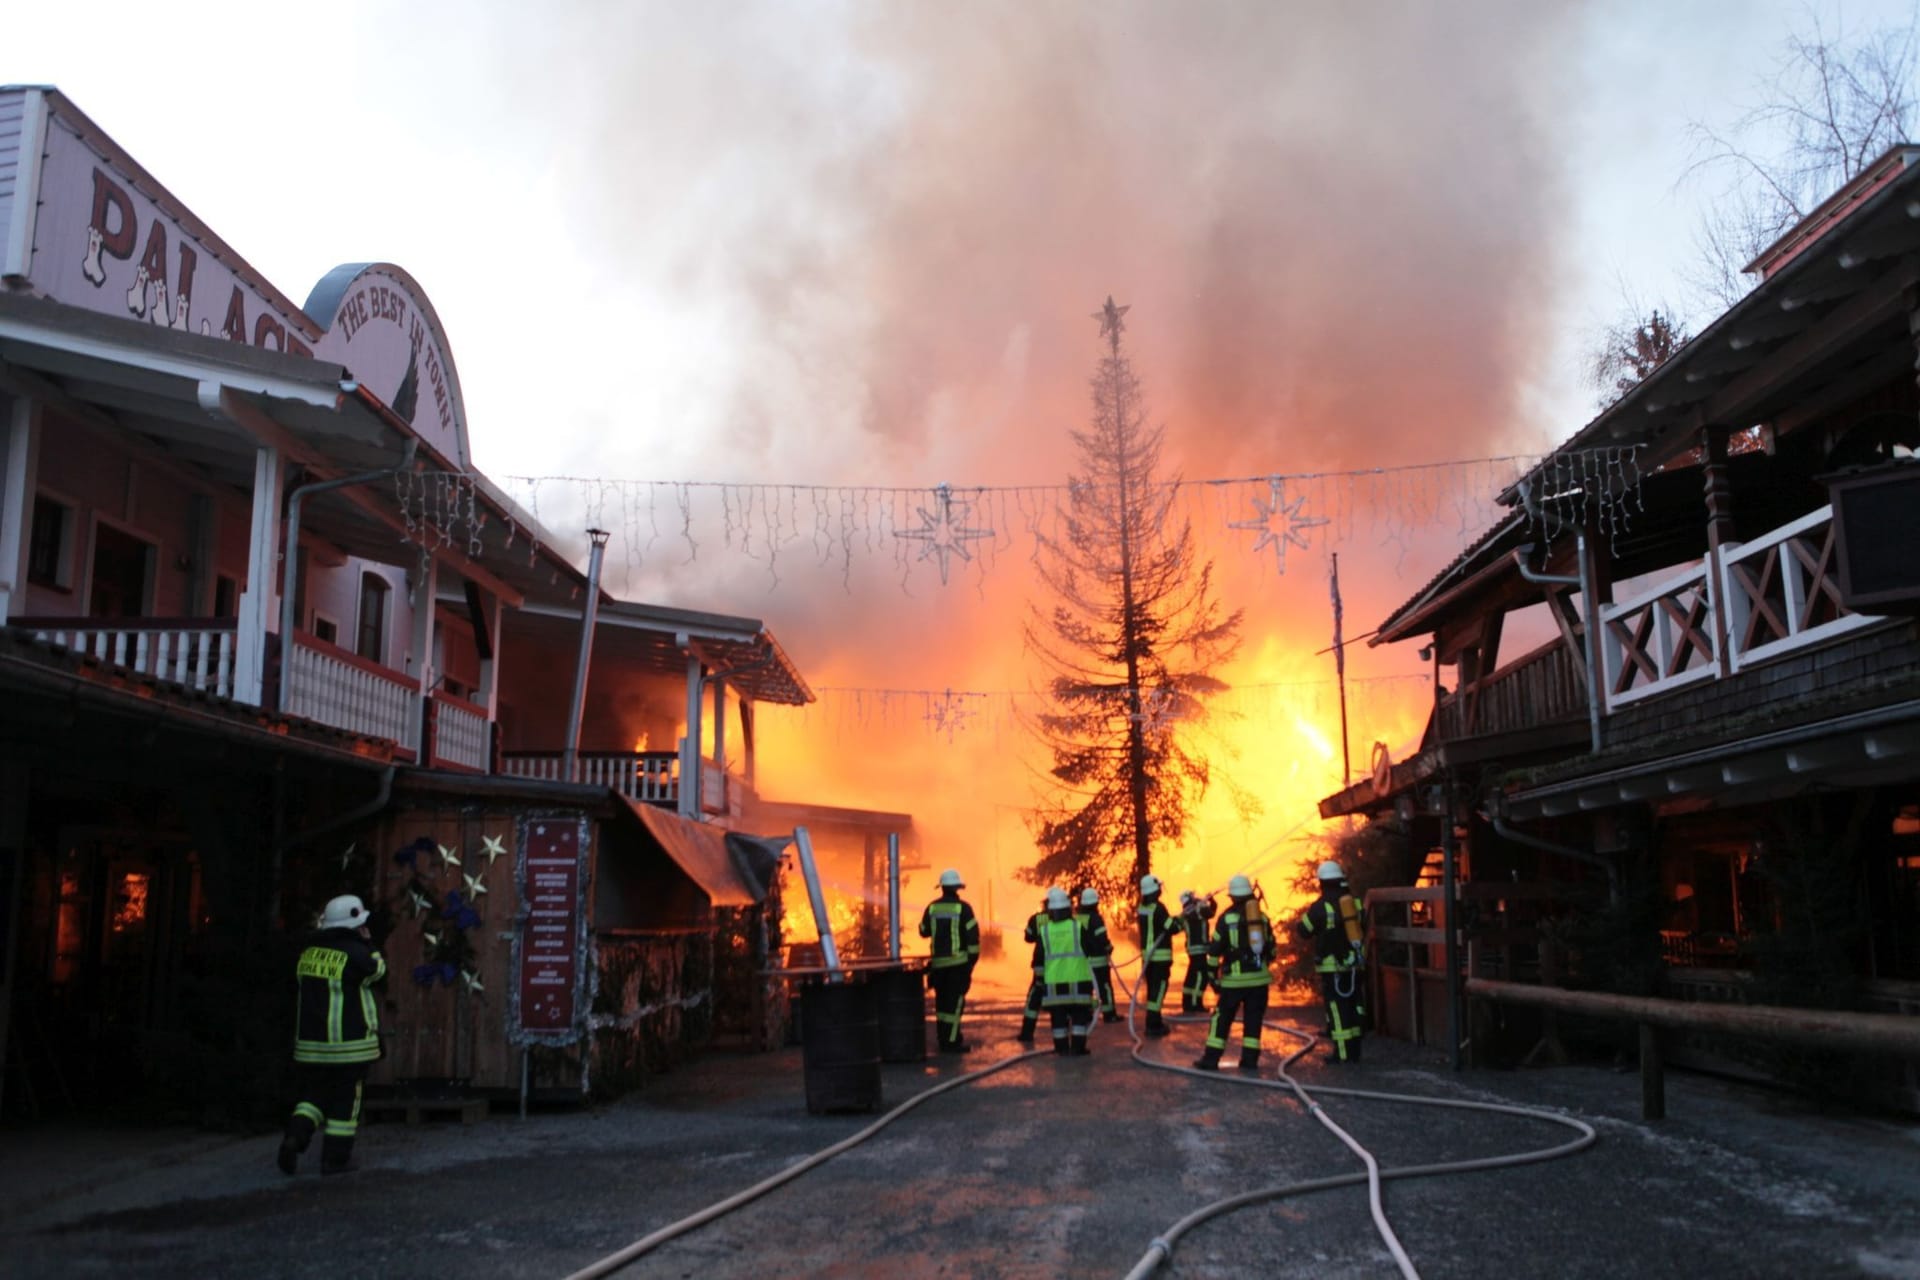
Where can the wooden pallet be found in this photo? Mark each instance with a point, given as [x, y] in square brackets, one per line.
[415, 1110]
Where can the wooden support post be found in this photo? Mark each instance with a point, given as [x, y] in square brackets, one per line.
[1653, 1077]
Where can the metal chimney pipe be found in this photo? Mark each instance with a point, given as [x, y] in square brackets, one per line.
[893, 895]
[571, 757]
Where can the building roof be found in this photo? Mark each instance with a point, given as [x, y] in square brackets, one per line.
[704, 853]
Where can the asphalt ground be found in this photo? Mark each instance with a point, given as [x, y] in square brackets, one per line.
[1050, 1167]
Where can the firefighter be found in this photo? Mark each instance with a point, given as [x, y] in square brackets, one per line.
[1243, 947]
[1068, 974]
[1332, 923]
[1030, 1015]
[949, 922]
[1156, 952]
[1195, 911]
[336, 1035]
[1100, 953]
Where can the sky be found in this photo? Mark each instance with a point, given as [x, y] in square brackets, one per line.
[859, 244]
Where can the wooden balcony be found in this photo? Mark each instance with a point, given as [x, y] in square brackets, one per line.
[343, 690]
[651, 777]
[1542, 687]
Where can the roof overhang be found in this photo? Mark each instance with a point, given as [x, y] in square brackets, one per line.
[718, 865]
[658, 639]
[1859, 749]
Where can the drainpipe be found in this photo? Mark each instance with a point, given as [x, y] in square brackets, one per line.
[1591, 608]
[571, 753]
[290, 558]
[335, 823]
[1501, 828]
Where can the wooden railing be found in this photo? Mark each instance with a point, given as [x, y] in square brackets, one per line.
[649, 776]
[460, 734]
[196, 653]
[1783, 591]
[342, 690]
[1661, 639]
[1543, 686]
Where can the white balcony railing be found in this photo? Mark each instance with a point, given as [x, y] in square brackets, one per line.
[198, 656]
[1661, 639]
[327, 684]
[649, 776]
[1783, 592]
[461, 734]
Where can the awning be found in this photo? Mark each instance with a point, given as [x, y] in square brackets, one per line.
[704, 853]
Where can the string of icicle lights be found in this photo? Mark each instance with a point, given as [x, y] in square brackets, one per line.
[1282, 705]
[970, 526]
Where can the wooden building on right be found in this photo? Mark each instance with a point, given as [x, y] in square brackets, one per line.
[1683, 669]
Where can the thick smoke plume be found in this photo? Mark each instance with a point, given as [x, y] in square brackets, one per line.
[1336, 227]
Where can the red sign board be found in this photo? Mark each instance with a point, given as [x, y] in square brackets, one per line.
[549, 958]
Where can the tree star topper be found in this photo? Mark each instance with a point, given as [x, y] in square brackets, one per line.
[1110, 324]
[1279, 522]
[943, 531]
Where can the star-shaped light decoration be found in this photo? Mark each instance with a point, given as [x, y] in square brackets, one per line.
[474, 887]
[1279, 522]
[1159, 708]
[944, 531]
[1110, 324]
[346, 855]
[948, 712]
[448, 858]
[472, 980]
[496, 847]
[433, 939]
[419, 904]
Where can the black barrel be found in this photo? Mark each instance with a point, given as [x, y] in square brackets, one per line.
[840, 1046]
[902, 994]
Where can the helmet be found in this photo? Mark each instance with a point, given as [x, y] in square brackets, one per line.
[950, 879]
[1057, 900]
[1331, 871]
[1239, 887]
[1149, 885]
[344, 912]
[1089, 897]
[1186, 897]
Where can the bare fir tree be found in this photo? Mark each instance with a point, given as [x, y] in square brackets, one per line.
[1131, 635]
[1833, 104]
[1631, 350]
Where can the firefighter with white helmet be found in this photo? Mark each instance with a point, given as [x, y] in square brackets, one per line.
[336, 1035]
[1156, 952]
[1195, 911]
[1243, 950]
[1067, 974]
[1332, 923]
[955, 933]
[1099, 952]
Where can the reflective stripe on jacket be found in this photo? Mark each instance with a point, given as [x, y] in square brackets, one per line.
[1325, 922]
[1068, 973]
[1244, 945]
[336, 1017]
[1156, 927]
[955, 932]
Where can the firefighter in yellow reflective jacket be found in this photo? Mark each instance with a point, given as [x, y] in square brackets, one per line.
[1156, 952]
[336, 1035]
[1067, 969]
[1195, 912]
[1030, 1015]
[1332, 923]
[1242, 948]
[1100, 952]
[950, 923]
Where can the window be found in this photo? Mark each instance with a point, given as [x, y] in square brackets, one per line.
[371, 640]
[50, 549]
[325, 628]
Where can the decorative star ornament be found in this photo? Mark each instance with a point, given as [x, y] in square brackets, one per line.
[1279, 522]
[347, 855]
[943, 531]
[474, 887]
[448, 858]
[496, 847]
[433, 939]
[419, 904]
[948, 712]
[1109, 317]
[472, 980]
[1158, 710]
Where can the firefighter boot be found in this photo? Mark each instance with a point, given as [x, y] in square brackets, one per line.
[1156, 1025]
[336, 1155]
[1250, 1062]
[293, 1144]
[1026, 1030]
[1208, 1061]
[1080, 1049]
